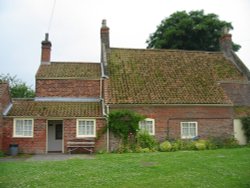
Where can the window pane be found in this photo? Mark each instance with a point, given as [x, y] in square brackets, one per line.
[86, 128]
[147, 126]
[188, 129]
[23, 127]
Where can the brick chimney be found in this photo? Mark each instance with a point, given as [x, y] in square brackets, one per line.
[226, 42]
[104, 32]
[46, 48]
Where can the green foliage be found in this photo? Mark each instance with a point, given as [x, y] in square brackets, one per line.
[165, 146]
[144, 140]
[246, 126]
[1, 154]
[145, 150]
[124, 124]
[189, 31]
[18, 89]
[200, 144]
[222, 142]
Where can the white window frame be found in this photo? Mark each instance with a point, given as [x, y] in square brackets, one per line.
[153, 125]
[85, 135]
[23, 136]
[189, 123]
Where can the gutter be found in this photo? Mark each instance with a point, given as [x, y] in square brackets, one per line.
[172, 105]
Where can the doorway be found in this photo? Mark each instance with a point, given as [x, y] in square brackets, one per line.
[55, 136]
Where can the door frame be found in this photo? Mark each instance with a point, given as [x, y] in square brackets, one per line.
[47, 133]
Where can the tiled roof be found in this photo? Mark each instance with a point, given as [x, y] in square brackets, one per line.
[241, 111]
[30, 108]
[62, 70]
[146, 76]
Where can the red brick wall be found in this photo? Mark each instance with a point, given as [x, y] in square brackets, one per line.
[239, 93]
[212, 121]
[4, 102]
[37, 144]
[70, 133]
[5, 98]
[1, 133]
[67, 88]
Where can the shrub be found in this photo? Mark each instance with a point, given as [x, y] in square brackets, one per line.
[211, 144]
[124, 124]
[144, 140]
[145, 150]
[230, 142]
[200, 145]
[246, 126]
[175, 146]
[165, 146]
[1, 153]
[222, 142]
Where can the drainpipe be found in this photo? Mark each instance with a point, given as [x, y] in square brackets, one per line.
[107, 130]
[105, 113]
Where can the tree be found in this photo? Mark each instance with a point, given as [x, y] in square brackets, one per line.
[18, 88]
[189, 31]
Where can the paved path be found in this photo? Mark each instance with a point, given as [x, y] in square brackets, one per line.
[49, 157]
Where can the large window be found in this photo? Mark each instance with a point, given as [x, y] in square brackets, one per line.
[23, 128]
[147, 125]
[86, 128]
[189, 129]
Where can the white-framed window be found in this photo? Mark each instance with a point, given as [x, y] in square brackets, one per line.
[189, 129]
[23, 127]
[147, 125]
[86, 128]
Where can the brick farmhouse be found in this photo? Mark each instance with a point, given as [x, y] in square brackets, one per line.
[183, 94]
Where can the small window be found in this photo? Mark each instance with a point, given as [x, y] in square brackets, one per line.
[86, 128]
[58, 132]
[147, 125]
[23, 128]
[189, 129]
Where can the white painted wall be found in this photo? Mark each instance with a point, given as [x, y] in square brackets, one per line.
[239, 132]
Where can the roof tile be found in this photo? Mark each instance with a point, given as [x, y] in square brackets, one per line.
[62, 70]
[30, 108]
[143, 76]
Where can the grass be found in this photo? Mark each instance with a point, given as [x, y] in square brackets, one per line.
[210, 168]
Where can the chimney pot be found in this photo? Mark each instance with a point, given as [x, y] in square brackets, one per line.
[104, 23]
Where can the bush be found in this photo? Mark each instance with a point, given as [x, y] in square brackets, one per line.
[246, 126]
[230, 142]
[144, 140]
[124, 148]
[165, 146]
[200, 145]
[145, 150]
[124, 124]
[222, 142]
[1, 154]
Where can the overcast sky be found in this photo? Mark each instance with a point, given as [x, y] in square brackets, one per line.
[75, 27]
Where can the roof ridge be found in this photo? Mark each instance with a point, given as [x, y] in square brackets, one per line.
[167, 50]
[73, 62]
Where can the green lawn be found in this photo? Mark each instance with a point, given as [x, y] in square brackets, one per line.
[211, 168]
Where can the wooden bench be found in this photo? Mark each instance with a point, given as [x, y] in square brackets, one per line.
[86, 145]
